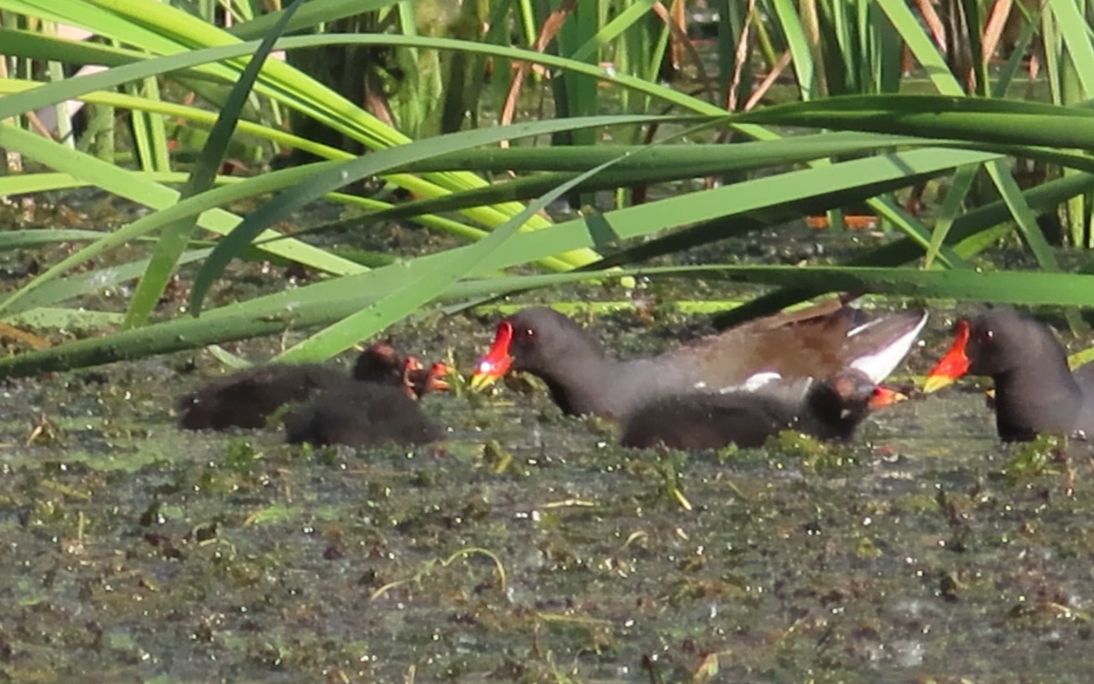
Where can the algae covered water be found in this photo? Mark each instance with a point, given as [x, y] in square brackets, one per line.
[528, 547]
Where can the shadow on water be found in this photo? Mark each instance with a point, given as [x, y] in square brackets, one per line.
[135, 550]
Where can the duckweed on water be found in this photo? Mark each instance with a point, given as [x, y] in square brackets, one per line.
[1041, 456]
[527, 547]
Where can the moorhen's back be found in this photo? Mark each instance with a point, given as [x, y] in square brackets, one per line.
[360, 414]
[246, 399]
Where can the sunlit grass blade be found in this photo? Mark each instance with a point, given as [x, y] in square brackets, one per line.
[192, 114]
[247, 319]
[326, 302]
[405, 300]
[289, 86]
[932, 61]
[66, 319]
[176, 235]
[804, 67]
[375, 163]
[977, 120]
[970, 234]
[775, 215]
[1075, 29]
[951, 207]
[21, 239]
[137, 188]
[310, 14]
[612, 228]
[735, 199]
[97, 281]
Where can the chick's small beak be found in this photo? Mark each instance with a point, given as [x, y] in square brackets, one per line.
[953, 364]
[412, 367]
[411, 363]
[883, 396]
[496, 362]
[437, 373]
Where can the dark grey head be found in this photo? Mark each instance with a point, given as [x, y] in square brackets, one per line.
[543, 339]
[380, 363]
[1003, 340]
[537, 340]
[841, 401]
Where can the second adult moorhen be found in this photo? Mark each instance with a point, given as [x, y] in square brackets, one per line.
[360, 414]
[816, 342]
[249, 397]
[828, 409]
[1035, 390]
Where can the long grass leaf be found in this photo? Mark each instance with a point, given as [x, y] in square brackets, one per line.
[377, 162]
[1075, 30]
[932, 61]
[971, 232]
[311, 14]
[239, 321]
[804, 66]
[176, 235]
[951, 207]
[403, 301]
[965, 118]
[138, 189]
[21, 239]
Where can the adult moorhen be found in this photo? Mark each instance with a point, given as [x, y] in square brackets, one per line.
[360, 414]
[817, 342]
[247, 399]
[1035, 391]
[829, 409]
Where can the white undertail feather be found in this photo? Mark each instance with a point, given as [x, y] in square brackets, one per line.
[865, 326]
[752, 383]
[880, 364]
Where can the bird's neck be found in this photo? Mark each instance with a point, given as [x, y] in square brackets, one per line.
[607, 387]
[1037, 397]
[824, 414]
[589, 386]
[1043, 373]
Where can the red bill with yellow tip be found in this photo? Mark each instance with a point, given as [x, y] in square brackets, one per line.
[496, 362]
[883, 396]
[954, 364]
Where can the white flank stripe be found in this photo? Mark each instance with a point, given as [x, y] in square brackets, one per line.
[879, 365]
[753, 383]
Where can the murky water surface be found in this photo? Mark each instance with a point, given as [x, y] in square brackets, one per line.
[135, 551]
[527, 547]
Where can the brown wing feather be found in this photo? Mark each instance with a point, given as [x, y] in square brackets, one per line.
[798, 343]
